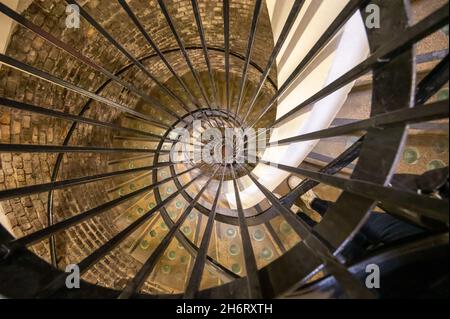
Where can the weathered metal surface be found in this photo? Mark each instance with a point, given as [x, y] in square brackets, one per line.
[394, 106]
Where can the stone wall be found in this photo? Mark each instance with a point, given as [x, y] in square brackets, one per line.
[29, 213]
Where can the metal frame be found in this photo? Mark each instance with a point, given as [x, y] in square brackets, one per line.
[321, 247]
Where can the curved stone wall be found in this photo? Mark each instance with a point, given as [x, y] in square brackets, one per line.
[29, 213]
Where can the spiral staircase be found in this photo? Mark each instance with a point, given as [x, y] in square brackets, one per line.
[88, 115]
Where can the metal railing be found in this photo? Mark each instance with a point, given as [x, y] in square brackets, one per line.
[320, 246]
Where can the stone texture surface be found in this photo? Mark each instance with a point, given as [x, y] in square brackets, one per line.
[29, 213]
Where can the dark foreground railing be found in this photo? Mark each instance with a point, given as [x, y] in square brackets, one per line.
[396, 102]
